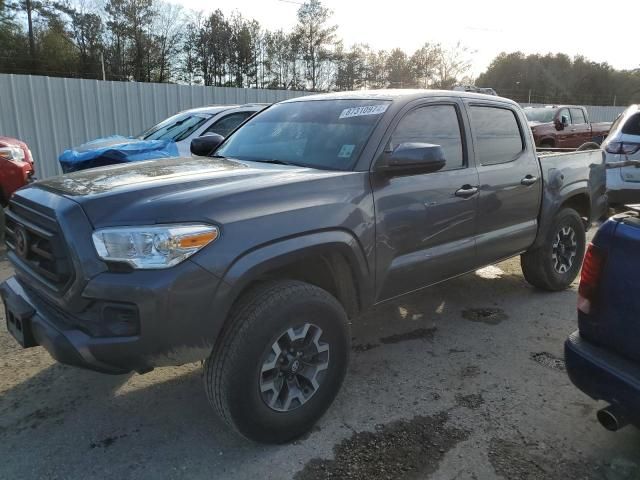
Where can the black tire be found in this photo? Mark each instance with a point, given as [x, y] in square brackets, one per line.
[588, 146]
[539, 266]
[257, 322]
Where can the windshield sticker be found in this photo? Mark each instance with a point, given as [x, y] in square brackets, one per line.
[367, 110]
[346, 151]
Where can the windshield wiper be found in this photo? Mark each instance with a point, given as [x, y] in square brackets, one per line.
[276, 162]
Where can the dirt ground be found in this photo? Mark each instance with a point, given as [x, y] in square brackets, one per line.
[462, 381]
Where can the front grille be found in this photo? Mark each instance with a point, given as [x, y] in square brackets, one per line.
[38, 246]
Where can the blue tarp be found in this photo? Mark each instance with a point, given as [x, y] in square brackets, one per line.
[115, 149]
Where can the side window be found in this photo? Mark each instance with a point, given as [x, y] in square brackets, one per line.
[577, 115]
[227, 124]
[497, 135]
[564, 113]
[435, 124]
[632, 125]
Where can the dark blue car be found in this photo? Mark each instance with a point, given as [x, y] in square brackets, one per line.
[603, 356]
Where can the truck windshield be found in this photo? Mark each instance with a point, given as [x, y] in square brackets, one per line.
[542, 115]
[175, 128]
[324, 134]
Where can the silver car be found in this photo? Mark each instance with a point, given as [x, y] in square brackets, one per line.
[623, 143]
[189, 124]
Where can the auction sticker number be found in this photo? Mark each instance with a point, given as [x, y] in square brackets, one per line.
[366, 110]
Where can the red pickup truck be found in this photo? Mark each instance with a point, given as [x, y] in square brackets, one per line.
[564, 127]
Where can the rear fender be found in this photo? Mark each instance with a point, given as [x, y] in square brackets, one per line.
[555, 197]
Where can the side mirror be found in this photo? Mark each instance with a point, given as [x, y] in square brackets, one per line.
[562, 122]
[414, 158]
[205, 145]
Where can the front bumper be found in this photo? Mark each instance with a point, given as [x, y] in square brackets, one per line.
[604, 375]
[176, 323]
[31, 328]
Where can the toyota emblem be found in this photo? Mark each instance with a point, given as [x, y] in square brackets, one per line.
[21, 241]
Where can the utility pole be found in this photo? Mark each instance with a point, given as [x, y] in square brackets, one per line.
[529, 97]
[615, 97]
[102, 62]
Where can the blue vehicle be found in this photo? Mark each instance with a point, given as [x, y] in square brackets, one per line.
[603, 356]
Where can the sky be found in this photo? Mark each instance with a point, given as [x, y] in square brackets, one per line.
[487, 27]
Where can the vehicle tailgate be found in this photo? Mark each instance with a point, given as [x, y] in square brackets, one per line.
[617, 319]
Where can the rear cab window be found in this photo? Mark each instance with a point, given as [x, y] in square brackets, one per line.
[497, 134]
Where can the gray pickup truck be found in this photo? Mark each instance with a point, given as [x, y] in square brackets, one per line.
[256, 257]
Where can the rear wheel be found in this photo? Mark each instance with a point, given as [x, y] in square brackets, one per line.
[555, 264]
[281, 362]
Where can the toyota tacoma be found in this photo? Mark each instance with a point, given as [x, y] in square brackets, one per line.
[255, 257]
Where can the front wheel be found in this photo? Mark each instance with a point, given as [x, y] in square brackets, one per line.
[281, 362]
[555, 264]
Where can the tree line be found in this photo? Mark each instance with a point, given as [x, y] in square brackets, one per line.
[560, 79]
[156, 41]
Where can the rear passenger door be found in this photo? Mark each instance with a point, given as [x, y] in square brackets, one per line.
[510, 183]
[425, 223]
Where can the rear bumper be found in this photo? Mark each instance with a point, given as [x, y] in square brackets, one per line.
[623, 197]
[604, 375]
[619, 191]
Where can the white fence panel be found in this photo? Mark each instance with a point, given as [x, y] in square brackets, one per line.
[53, 114]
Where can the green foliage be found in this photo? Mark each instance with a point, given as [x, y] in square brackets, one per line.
[560, 79]
[154, 41]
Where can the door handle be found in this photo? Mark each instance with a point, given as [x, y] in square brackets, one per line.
[529, 180]
[466, 191]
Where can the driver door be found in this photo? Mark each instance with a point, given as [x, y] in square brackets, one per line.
[426, 222]
[564, 136]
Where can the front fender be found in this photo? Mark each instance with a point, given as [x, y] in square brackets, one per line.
[254, 263]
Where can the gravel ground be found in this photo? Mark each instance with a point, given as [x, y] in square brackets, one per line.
[462, 381]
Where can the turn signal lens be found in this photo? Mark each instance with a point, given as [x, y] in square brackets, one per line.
[198, 240]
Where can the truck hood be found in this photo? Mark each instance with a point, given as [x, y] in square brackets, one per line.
[173, 189]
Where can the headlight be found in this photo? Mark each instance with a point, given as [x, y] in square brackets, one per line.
[157, 246]
[13, 154]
